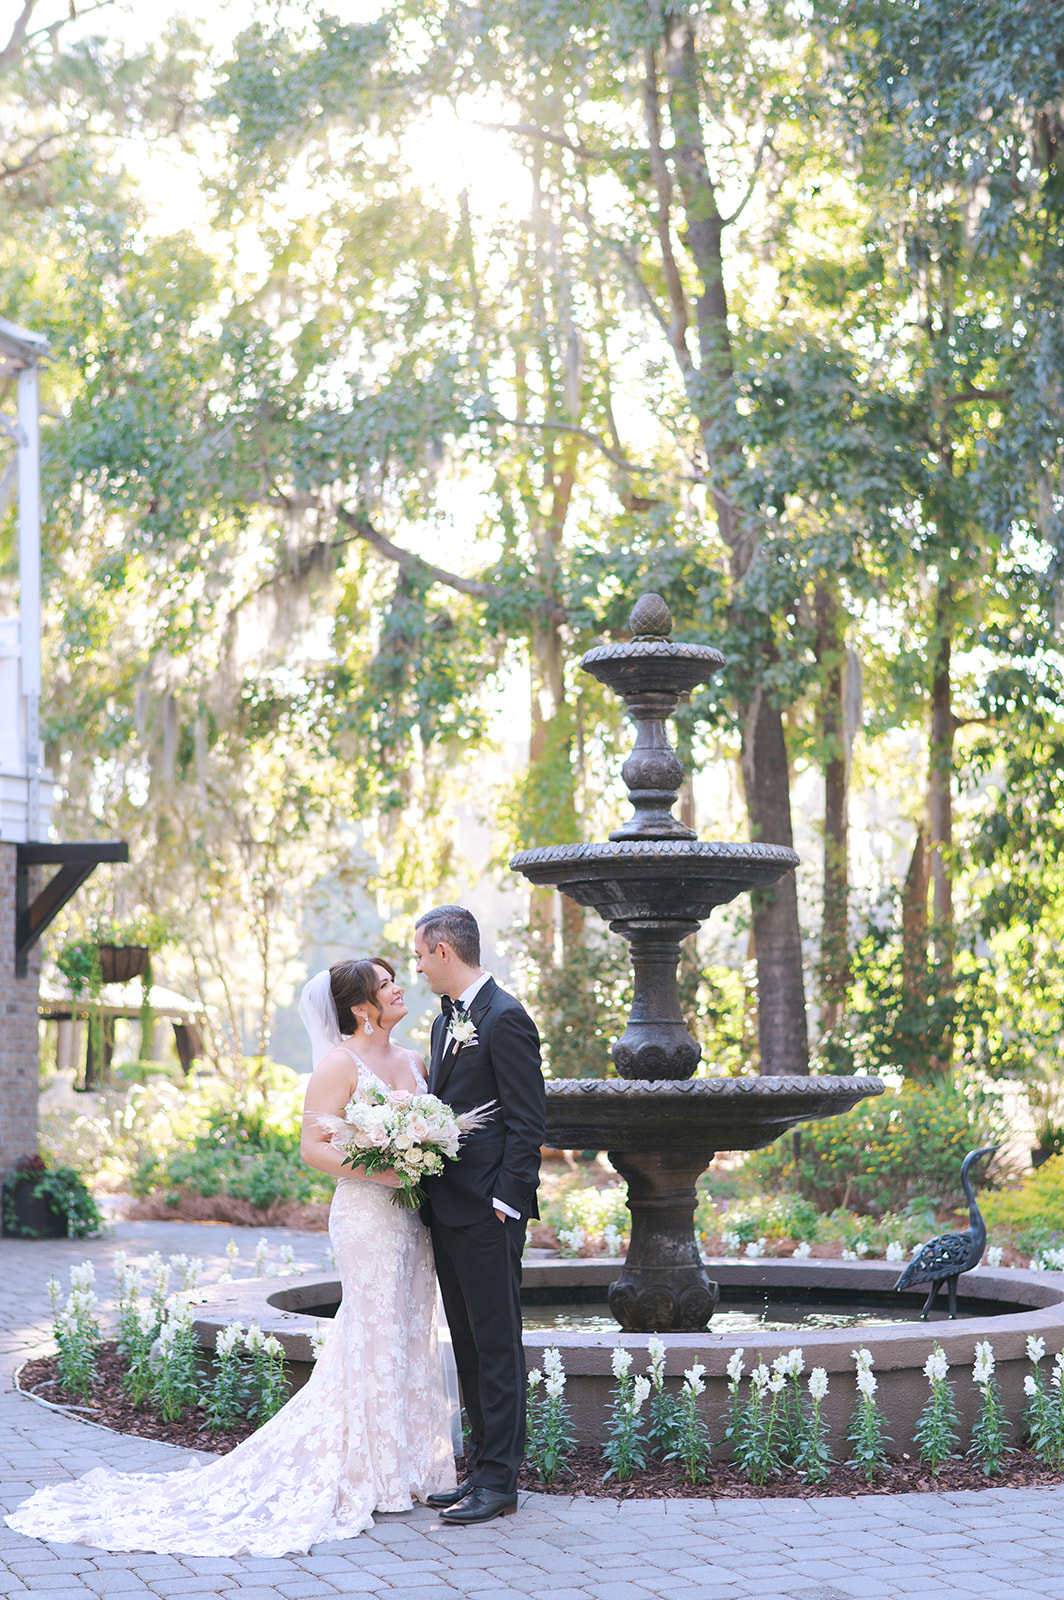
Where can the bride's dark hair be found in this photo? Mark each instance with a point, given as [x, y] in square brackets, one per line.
[355, 983]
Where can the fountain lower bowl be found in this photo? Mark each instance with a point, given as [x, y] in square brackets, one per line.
[694, 1114]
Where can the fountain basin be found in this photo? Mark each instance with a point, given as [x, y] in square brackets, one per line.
[899, 1350]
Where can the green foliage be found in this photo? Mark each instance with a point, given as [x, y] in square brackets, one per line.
[904, 1146]
[1032, 1210]
[551, 1439]
[625, 1446]
[79, 962]
[692, 1443]
[937, 1429]
[991, 1428]
[76, 1330]
[68, 1196]
[581, 1005]
[264, 1178]
[771, 1217]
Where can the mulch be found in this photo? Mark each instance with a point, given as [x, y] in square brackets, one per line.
[657, 1481]
[310, 1216]
[663, 1480]
[112, 1407]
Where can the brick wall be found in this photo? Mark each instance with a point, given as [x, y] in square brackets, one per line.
[18, 1031]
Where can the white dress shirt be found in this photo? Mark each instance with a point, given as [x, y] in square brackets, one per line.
[465, 1000]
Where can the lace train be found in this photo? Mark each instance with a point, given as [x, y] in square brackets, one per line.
[369, 1431]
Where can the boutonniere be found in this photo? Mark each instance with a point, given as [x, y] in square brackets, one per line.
[463, 1031]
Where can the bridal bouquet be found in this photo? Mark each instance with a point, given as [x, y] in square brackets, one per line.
[411, 1133]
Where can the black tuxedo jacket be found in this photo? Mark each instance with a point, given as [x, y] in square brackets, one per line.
[501, 1161]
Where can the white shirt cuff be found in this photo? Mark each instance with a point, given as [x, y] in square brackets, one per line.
[509, 1210]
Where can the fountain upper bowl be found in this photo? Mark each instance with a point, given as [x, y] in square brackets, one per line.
[655, 880]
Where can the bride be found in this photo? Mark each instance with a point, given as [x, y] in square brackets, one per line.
[371, 1430]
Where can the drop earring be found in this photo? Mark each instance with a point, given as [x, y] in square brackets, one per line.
[368, 1026]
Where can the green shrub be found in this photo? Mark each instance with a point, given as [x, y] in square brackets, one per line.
[906, 1145]
[271, 1178]
[770, 1217]
[203, 1169]
[1033, 1211]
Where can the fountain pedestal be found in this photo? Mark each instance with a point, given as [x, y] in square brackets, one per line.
[663, 1283]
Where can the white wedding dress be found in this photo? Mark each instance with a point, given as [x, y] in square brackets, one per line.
[370, 1431]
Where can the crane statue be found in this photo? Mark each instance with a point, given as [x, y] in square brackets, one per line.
[943, 1260]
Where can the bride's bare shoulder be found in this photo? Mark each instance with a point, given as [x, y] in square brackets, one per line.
[333, 1081]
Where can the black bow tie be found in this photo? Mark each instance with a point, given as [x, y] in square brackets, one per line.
[450, 1007]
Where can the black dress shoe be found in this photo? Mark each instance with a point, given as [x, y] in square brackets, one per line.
[450, 1497]
[480, 1505]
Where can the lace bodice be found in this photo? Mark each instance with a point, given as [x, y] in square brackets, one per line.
[420, 1081]
[371, 1431]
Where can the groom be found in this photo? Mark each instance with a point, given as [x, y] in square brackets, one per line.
[484, 1048]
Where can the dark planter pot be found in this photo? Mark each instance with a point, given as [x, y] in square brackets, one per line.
[120, 962]
[34, 1216]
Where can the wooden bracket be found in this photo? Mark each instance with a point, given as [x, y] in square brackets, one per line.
[75, 863]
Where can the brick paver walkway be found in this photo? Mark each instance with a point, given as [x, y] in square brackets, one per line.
[1000, 1542]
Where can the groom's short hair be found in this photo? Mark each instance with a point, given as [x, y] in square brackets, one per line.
[455, 926]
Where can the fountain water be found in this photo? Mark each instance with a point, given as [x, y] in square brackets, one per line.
[654, 882]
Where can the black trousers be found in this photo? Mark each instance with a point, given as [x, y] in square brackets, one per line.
[479, 1268]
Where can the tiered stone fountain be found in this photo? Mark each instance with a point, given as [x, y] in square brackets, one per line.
[655, 882]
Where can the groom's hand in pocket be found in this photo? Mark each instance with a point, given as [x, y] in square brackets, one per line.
[500, 1214]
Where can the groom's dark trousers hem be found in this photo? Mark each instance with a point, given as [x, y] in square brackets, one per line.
[479, 1271]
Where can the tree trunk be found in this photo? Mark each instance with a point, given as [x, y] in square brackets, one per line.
[710, 391]
[939, 782]
[914, 923]
[834, 972]
[782, 1033]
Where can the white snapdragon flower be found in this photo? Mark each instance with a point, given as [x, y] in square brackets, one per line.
[555, 1386]
[552, 1362]
[1030, 1388]
[273, 1346]
[318, 1336]
[936, 1366]
[895, 1250]
[613, 1239]
[735, 1367]
[1036, 1348]
[621, 1361]
[535, 1378]
[776, 1382]
[229, 1338]
[993, 1255]
[760, 1375]
[254, 1338]
[262, 1250]
[731, 1243]
[656, 1352]
[82, 1276]
[983, 1367]
[803, 1251]
[755, 1249]
[866, 1382]
[861, 1249]
[693, 1377]
[818, 1383]
[232, 1251]
[863, 1357]
[640, 1392]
